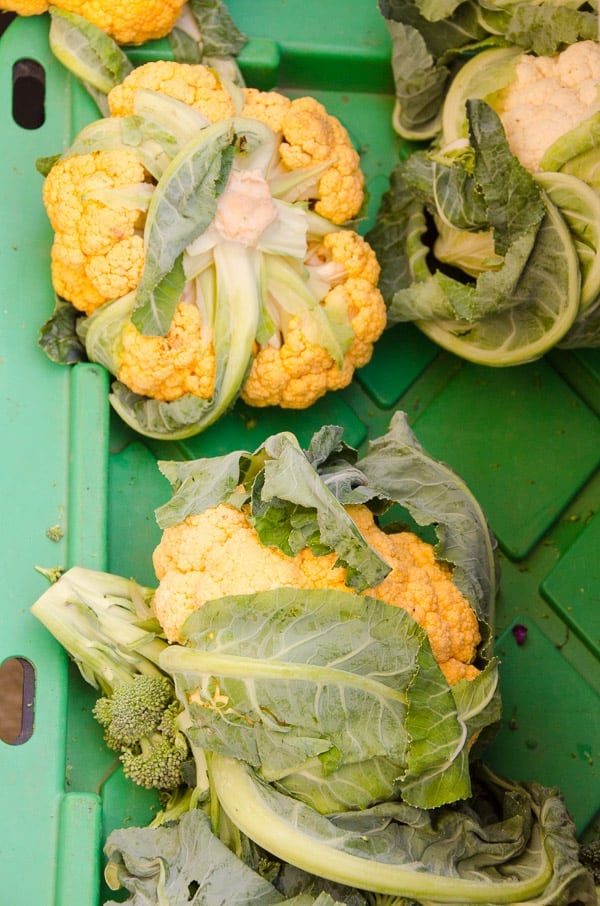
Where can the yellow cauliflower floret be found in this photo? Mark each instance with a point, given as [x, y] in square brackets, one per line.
[193, 565]
[269, 107]
[297, 372]
[166, 368]
[367, 314]
[193, 84]
[69, 276]
[310, 136]
[25, 7]
[97, 252]
[293, 376]
[354, 253]
[133, 22]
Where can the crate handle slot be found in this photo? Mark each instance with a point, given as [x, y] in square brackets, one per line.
[29, 93]
[17, 695]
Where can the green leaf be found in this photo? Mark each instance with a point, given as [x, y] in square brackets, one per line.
[183, 205]
[183, 47]
[58, 335]
[289, 477]
[220, 35]
[165, 864]
[281, 678]
[101, 331]
[420, 83]
[549, 28]
[534, 321]
[235, 309]
[512, 196]
[398, 237]
[509, 843]
[87, 51]
[423, 53]
[199, 484]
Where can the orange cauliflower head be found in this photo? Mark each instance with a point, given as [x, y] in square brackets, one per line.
[193, 563]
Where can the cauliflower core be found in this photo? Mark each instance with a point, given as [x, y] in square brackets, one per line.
[193, 564]
[548, 97]
[246, 208]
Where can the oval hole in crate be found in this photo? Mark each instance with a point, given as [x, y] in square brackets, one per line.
[29, 94]
[17, 688]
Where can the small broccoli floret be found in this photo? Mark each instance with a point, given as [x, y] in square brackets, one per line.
[156, 762]
[140, 722]
[107, 625]
[134, 710]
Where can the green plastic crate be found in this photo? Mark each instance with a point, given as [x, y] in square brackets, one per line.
[80, 488]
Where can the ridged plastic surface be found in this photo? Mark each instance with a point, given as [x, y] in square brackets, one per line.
[79, 488]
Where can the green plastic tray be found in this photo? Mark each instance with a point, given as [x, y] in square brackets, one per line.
[78, 488]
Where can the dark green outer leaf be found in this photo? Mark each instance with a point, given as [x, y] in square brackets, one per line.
[198, 485]
[289, 476]
[319, 672]
[546, 30]
[509, 843]
[397, 237]
[512, 196]
[183, 47]
[58, 335]
[397, 468]
[167, 864]
[585, 330]
[455, 32]
[420, 83]
[220, 35]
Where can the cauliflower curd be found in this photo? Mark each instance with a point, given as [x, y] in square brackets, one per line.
[548, 97]
[194, 560]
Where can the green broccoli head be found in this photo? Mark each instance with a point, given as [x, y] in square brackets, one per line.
[140, 722]
[134, 710]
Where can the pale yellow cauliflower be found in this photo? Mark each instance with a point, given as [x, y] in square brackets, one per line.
[98, 249]
[218, 553]
[133, 22]
[548, 97]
